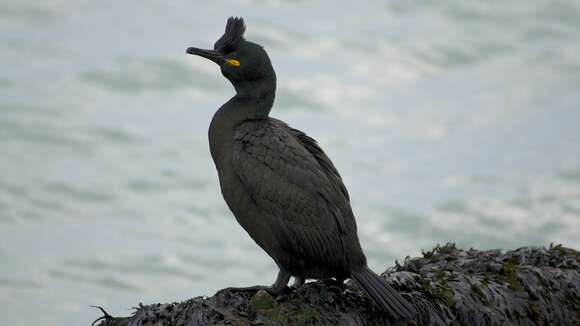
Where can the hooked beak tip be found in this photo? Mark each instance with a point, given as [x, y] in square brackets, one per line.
[208, 54]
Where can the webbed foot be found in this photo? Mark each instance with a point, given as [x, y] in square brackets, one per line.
[279, 287]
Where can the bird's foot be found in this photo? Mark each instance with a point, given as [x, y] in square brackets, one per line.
[254, 288]
[279, 287]
[272, 290]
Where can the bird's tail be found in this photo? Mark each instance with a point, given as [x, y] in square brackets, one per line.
[383, 295]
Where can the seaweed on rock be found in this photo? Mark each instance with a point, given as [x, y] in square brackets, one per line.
[526, 286]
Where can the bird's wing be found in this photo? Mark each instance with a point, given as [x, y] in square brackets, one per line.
[293, 182]
[325, 164]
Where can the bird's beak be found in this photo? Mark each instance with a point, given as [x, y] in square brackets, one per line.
[208, 54]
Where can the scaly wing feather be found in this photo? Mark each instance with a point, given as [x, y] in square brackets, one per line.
[293, 182]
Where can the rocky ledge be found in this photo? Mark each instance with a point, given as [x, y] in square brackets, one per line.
[449, 286]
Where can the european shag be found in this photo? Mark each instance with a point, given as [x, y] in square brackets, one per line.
[280, 185]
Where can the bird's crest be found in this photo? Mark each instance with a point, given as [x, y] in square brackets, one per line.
[233, 35]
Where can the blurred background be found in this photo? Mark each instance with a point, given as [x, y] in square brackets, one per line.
[449, 121]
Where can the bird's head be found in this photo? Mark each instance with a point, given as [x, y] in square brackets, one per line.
[241, 61]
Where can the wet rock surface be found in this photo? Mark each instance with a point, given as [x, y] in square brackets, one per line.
[449, 286]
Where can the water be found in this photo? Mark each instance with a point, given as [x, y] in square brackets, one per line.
[448, 121]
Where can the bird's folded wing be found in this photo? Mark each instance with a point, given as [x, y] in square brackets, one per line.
[305, 201]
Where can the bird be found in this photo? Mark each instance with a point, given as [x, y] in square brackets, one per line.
[280, 185]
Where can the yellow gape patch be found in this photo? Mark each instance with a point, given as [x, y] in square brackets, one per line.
[233, 62]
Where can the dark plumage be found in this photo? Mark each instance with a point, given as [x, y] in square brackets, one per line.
[233, 35]
[280, 185]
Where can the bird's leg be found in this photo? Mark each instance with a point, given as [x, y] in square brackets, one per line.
[274, 290]
[298, 281]
[281, 283]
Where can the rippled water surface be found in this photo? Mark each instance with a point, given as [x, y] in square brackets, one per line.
[449, 121]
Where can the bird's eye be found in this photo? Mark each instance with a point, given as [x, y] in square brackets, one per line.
[233, 62]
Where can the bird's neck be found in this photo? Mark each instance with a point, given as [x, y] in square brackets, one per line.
[255, 97]
[253, 101]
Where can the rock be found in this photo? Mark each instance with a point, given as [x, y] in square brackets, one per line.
[526, 286]
[262, 300]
